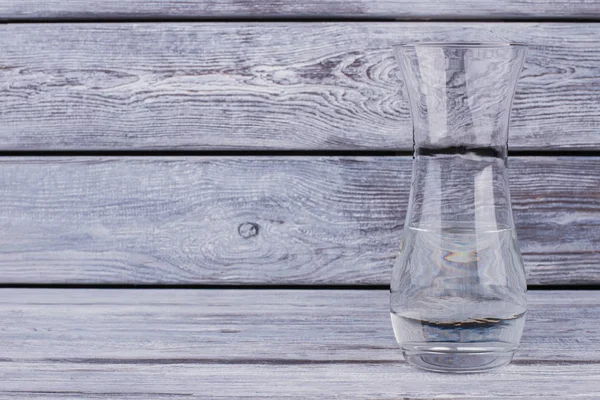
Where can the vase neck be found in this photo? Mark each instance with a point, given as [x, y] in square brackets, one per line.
[460, 96]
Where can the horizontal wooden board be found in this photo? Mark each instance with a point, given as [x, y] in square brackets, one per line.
[262, 220]
[268, 85]
[398, 9]
[271, 344]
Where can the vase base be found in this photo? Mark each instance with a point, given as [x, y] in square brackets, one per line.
[458, 357]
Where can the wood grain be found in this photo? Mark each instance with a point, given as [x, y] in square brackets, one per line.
[262, 220]
[399, 9]
[287, 344]
[285, 86]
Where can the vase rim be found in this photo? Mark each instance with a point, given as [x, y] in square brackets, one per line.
[463, 44]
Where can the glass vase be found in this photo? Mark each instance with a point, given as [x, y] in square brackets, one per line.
[458, 291]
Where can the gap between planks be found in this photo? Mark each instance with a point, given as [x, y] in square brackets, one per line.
[270, 153]
[107, 19]
[250, 286]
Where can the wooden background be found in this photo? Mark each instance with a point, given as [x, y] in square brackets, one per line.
[231, 143]
[172, 171]
[263, 152]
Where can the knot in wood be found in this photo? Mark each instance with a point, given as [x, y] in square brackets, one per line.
[248, 230]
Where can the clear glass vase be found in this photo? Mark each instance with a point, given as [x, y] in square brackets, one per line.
[458, 291]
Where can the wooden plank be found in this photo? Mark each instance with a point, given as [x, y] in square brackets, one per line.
[290, 344]
[267, 86]
[400, 9]
[262, 220]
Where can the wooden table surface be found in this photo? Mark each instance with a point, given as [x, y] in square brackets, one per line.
[276, 344]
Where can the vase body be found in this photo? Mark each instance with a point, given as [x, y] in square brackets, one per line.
[458, 290]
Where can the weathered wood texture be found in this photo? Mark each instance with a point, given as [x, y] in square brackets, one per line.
[267, 86]
[209, 344]
[267, 220]
[426, 9]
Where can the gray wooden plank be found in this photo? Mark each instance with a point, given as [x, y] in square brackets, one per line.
[399, 9]
[262, 220]
[267, 86]
[165, 344]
